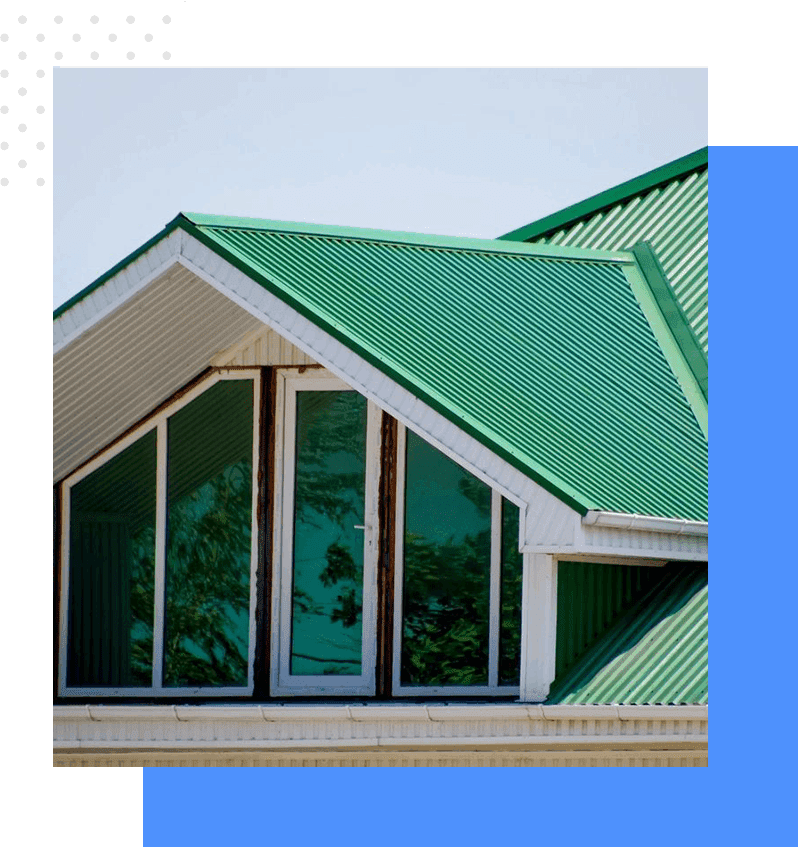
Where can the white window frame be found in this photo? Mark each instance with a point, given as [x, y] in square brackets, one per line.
[493, 687]
[158, 422]
[288, 383]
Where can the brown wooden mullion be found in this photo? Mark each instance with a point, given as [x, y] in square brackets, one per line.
[265, 523]
[385, 568]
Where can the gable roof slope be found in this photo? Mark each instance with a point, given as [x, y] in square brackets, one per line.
[543, 354]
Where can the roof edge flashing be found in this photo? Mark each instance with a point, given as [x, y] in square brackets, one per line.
[672, 312]
[686, 359]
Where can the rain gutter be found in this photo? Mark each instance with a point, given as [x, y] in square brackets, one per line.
[650, 523]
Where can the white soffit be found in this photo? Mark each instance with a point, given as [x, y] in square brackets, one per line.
[134, 358]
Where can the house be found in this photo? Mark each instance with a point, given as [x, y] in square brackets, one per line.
[332, 496]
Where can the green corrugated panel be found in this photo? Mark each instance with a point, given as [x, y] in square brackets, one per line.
[547, 360]
[673, 219]
[590, 598]
[669, 209]
[654, 654]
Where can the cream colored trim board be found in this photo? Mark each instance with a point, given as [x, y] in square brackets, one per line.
[376, 712]
[375, 743]
[380, 734]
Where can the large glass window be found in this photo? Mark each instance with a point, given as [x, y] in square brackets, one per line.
[512, 573]
[446, 587]
[159, 557]
[458, 579]
[112, 571]
[160, 551]
[329, 497]
[209, 538]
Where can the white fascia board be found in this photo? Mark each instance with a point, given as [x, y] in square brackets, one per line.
[619, 554]
[628, 539]
[369, 711]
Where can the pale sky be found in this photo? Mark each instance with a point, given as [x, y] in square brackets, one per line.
[451, 152]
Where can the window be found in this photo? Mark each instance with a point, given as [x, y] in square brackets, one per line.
[457, 589]
[159, 553]
[458, 580]
[161, 544]
[325, 540]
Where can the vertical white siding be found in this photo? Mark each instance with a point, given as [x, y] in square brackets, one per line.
[263, 347]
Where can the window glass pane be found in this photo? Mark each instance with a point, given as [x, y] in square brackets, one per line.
[446, 572]
[112, 571]
[511, 584]
[209, 529]
[329, 497]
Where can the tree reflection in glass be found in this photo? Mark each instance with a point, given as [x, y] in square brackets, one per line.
[209, 530]
[112, 571]
[446, 593]
[329, 495]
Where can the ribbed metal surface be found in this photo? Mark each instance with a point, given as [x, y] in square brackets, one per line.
[590, 598]
[673, 218]
[655, 654]
[548, 360]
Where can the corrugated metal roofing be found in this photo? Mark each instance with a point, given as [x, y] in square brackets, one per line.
[590, 598]
[668, 208]
[546, 359]
[655, 654]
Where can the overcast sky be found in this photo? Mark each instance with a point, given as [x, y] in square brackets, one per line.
[453, 152]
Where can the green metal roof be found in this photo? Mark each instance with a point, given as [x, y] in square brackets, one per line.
[591, 597]
[667, 207]
[546, 358]
[657, 653]
[543, 354]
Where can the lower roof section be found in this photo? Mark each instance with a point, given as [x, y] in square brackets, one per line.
[655, 653]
